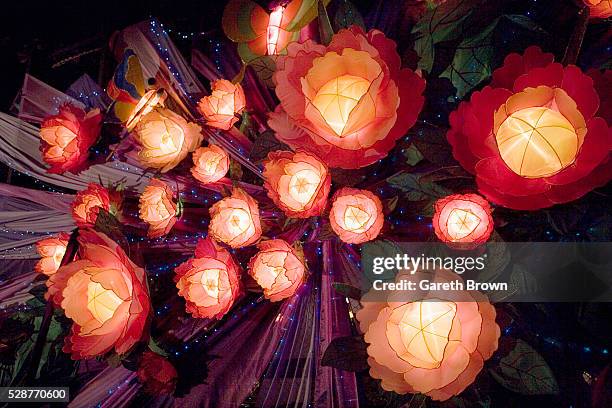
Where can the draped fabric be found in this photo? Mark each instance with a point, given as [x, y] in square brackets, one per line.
[89, 93]
[39, 100]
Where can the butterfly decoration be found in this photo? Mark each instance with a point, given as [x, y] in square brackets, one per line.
[128, 89]
[261, 35]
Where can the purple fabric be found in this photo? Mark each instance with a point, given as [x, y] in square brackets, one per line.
[243, 355]
[112, 388]
[333, 387]
[88, 92]
[54, 201]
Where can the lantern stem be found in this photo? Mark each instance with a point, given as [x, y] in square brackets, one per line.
[575, 41]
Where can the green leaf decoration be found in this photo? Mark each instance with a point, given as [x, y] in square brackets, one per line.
[265, 143]
[416, 401]
[526, 23]
[109, 225]
[524, 371]
[346, 353]
[347, 15]
[472, 62]
[498, 258]
[235, 170]
[264, 67]
[154, 347]
[347, 290]
[413, 155]
[375, 249]
[415, 187]
[440, 24]
[430, 140]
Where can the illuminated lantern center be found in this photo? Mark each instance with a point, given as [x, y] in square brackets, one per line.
[337, 98]
[419, 331]
[273, 30]
[101, 302]
[272, 269]
[355, 219]
[461, 223]
[303, 185]
[537, 142]
[211, 164]
[238, 221]
[59, 255]
[210, 282]
[222, 104]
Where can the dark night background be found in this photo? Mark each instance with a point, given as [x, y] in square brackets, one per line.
[575, 339]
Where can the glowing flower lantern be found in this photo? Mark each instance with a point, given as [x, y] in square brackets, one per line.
[87, 204]
[356, 216]
[67, 137]
[532, 138]
[350, 102]
[297, 182]
[165, 139]
[428, 343]
[222, 107]
[157, 208]
[599, 8]
[209, 282]
[157, 374]
[105, 295]
[210, 164]
[278, 269]
[51, 251]
[234, 220]
[463, 220]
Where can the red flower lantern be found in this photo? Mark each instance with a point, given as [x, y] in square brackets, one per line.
[278, 269]
[531, 137]
[463, 220]
[356, 216]
[67, 137]
[51, 251]
[105, 294]
[209, 282]
[157, 374]
[87, 204]
[221, 107]
[348, 102]
[297, 182]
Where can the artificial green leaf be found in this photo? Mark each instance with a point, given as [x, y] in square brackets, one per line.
[235, 170]
[415, 188]
[431, 142]
[524, 371]
[472, 61]
[347, 15]
[413, 155]
[497, 259]
[154, 347]
[265, 143]
[346, 353]
[525, 22]
[347, 290]
[416, 401]
[376, 249]
[443, 23]
[264, 67]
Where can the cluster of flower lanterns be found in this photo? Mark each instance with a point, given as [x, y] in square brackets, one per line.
[531, 138]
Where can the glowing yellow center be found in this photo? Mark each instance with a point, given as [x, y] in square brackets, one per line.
[273, 30]
[101, 303]
[303, 185]
[222, 103]
[337, 98]
[59, 255]
[238, 221]
[424, 329]
[210, 282]
[211, 164]
[355, 219]
[537, 142]
[461, 223]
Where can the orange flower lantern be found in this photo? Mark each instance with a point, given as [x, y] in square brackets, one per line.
[532, 138]
[105, 295]
[278, 269]
[149, 101]
[356, 216]
[234, 220]
[209, 282]
[221, 107]
[157, 208]
[67, 137]
[88, 202]
[426, 343]
[51, 251]
[348, 102]
[463, 220]
[210, 164]
[298, 183]
[165, 139]
[599, 8]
